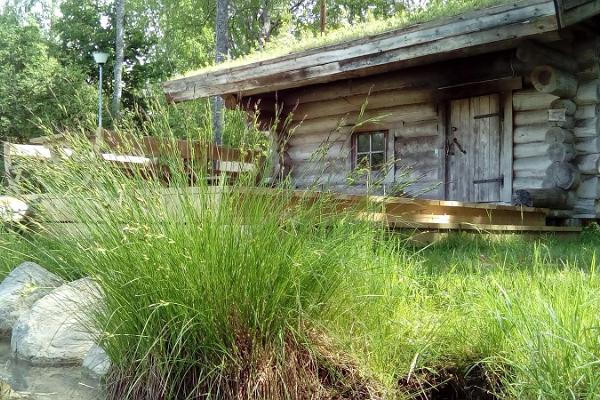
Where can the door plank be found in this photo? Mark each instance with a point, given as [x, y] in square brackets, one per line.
[475, 124]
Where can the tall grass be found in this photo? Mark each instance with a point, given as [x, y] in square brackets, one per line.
[231, 291]
[210, 291]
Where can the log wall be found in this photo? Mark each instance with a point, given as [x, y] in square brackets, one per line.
[587, 129]
[557, 126]
[320, 144]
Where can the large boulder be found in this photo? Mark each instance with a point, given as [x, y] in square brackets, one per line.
[58, 329]
[97, 361]
[12, 210]
[25, 285]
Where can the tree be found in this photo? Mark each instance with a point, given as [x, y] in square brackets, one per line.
[36, 91]
[87, 25]
[119, 55]
[221, 40]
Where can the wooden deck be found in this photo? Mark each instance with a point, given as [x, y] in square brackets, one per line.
[397, 213]
[420, 214]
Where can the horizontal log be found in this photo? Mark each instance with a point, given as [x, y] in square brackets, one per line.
[589, 164]
[317, 138]
[352, 104]
[546, 198]
[540, 117]
[585, 111]
[589, 127]
[529, 134]
[587, 206]
[568, 105]
[558, 135]
[527, 183]
[535, 117]
[589, 188]
[377, 119]
[530, 173]
[406, 147]
[589, 145]
[534, 149]
[417, 129]
[534, 54]
[561, 152]
[531, 99]
[532, 163]
[589, 72]
[588, 92]
[552, 80]
[320, 152]
[325, 180]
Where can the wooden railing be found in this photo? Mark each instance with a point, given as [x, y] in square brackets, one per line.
[148, 153]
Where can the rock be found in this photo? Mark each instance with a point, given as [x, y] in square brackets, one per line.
[97, 361]
[12, 210]
[25, 285]
[58, 330]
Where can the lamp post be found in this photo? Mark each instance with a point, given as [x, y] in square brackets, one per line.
[100, 58]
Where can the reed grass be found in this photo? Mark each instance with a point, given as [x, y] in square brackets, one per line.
[227, 292]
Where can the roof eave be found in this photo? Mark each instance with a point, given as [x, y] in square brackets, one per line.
[472, 33]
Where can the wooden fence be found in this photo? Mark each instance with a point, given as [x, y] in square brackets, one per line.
[147, 153]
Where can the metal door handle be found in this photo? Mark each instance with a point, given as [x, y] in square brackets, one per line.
[455, 141]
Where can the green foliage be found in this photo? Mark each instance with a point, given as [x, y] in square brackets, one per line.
[87, 25]
[306, 37]
[35, 90]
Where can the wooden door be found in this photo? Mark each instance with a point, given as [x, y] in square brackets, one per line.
[473, 171]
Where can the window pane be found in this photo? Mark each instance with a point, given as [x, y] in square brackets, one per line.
[377, 160]
[362, 161]
[378, 142]
[363, 143]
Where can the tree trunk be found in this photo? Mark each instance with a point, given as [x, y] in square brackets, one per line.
[323, 15]
[119, 57]
[265, 20]
[221, 29]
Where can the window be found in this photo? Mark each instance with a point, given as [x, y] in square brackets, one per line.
[369, 150]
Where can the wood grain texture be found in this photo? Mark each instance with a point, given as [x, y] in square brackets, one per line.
[475, 154]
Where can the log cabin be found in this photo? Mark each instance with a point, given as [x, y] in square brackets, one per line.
[499, 105]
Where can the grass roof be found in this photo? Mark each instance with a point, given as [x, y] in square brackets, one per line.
[288, 43]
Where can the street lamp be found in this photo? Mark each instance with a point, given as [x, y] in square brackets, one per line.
[100, 58]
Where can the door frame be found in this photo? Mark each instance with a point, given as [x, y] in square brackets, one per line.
[506, 140]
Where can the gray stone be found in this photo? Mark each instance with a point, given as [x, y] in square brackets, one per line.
[25, 285]
[58, 329]
[97, 361]
[12, 210]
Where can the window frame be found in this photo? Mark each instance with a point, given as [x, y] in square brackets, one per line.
[356, 153]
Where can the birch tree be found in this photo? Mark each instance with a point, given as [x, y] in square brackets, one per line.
[221, 45]
[119, 57]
